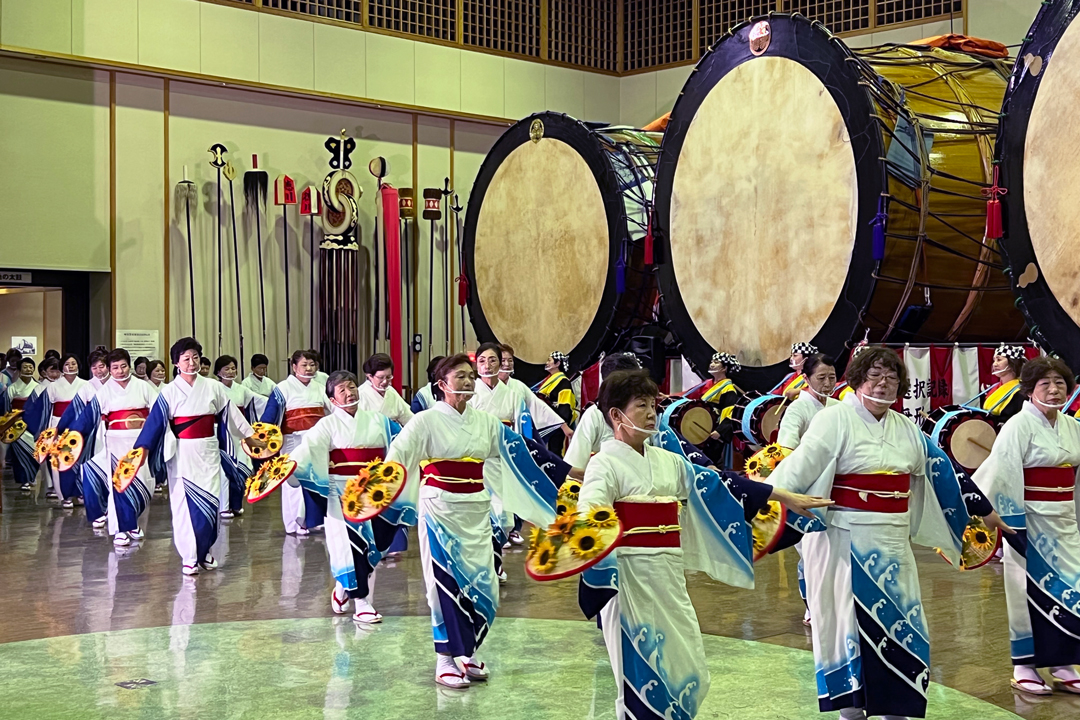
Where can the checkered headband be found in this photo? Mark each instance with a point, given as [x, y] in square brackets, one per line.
[727, 360]
[803, 348]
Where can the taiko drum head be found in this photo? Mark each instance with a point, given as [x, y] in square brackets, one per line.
[1037, 147]
[540, 242]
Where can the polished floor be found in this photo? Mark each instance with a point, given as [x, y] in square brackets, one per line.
[92, 631]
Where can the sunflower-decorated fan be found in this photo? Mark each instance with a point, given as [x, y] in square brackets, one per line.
[372, 490]
[768, 524]
[12, 426]
[46, 443]
[575, 541]
[68, 449]
[568, 496]
[268, 478]
[127, 468]
[980, 544]
[269, 435]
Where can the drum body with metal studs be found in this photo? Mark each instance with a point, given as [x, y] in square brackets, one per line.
[806, 191]
[1037, 147]
[965, 434]
[757, 417]
[695, 421]
[554, 239]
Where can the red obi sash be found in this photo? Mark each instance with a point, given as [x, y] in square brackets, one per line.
[1049, 484]
[58, 408]
[301, 419]
[127, 419]
[196, 427]
[18, 403]
[651, 525]
[456, 476]
[347, 461]
[876, 493]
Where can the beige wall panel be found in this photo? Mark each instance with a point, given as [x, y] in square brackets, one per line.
[229, 42]
[1006, 21]
[669, 83]
[564, 90]
[438, 76]
[54, 193]
[525, 89]
[637, 99]
[286, 51]
[601, 98]
[106, 29]
[340, 60]
[390, 69]
[36, 24]
[482, 90]
[169, 32]
[140, 204]
[288, 135]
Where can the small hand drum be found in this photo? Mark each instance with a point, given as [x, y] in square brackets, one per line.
[965, 434]
[768, 524]
[574, 543]
[757, 417]
[266, 433]
[68, 449]
[372, 490]
[269, 477]
[12, 426]
[46, 441]
[128, 468]
[980, 544]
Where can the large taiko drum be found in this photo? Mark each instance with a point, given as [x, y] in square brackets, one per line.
[554, 239]
[1037, 147]
[806, 190]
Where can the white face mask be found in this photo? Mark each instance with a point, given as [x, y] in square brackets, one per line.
[1049, 406]
[305, 377]
[189, 374]
[1001, 372]
[816, 394]
[446, 390]
[877, 401]
[347, 405]
[70, 374]
[632, 426]
[487, 375]
[123, 379]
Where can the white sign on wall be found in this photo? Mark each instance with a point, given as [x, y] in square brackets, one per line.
[26, 344]
[139, 342]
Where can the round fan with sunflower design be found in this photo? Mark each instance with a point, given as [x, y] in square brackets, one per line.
[269, 441]
[768, 525]
[12, 426]
[573, 543]
[372, 490]
[45, 444]
[269, 477]
[980, 544]
[127, 468]
[68, 449]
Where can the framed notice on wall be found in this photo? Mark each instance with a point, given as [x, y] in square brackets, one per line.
[26, 344]
[139, 342]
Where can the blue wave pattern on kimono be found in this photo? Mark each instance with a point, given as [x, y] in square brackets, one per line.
[839, 681]
[131, 503]
[236, 473]
[947, 487]
[523, 421]
[468, 595]
[71, 479]
[203, 509]
[1053, 603]
[93, 479]
[23, 464]
[519, 460]
[649, 692]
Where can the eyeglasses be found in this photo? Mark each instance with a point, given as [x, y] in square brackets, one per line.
[876, 377]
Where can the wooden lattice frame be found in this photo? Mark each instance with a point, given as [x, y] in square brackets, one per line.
[511, 26]
[349, 11]
[583, 32]
[657, 32]
[426, 18]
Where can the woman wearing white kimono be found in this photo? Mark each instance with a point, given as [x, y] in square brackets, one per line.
[180, 434]
[329, 454]
[238, 466]
[820, 373]
[296, 404]
[378, 395]
[423, 399]
[871, 647]
[110, 423]
[452, 454]
[58, 396]
[1030, 477]
[591, 430]
[95, 495]
[259, 382]
[23, 465]
[650, 627]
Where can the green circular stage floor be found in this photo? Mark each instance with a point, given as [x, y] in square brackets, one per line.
[330, 668]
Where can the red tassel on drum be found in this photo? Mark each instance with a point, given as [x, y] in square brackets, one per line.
[649, 245]
[463, 290]
[993, 208]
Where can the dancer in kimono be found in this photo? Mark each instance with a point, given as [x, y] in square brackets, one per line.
[156, 374]
[452, 455]
[378, 395]
[238, 466]
[58, 396]
[558, 392]
[1030, 477]
[95, 495]
[506, 362]
[795, 381]
[650, 627]
[180, 434]
[296, 404]
[1004, 399]
[592, 430]
[141, 364]
[423, 399]
[871, 647]
[37, 413]
[110, 423]
[21, 452]
[259, 382]
[820, 372]
[328, 455]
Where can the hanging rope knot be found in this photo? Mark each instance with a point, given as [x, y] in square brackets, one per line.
[993, 207]
[463, 289]
[649, 243]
